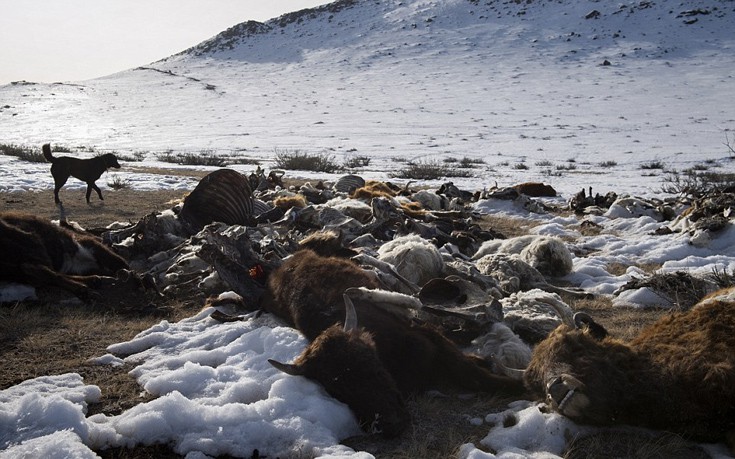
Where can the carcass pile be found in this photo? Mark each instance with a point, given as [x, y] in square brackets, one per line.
[397, 290]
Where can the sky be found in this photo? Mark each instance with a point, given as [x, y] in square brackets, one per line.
[48, 41]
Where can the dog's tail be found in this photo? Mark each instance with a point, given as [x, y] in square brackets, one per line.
[47, 152]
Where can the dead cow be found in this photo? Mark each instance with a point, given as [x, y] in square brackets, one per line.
[39, 253]
[676, 375]
[371, 368]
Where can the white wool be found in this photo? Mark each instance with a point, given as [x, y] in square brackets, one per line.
[170, 221]
[631, 207]
[429, 200]
[393, 302]
[512, 245]
[354, 208]
[414, 258]
[534, 308]
[510, 271]
[505, 345]
[549, 255]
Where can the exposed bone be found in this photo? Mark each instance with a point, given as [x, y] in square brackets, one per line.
[515, 373]
[365, 259]
[393, 302]
[350, 315]
[288, 368]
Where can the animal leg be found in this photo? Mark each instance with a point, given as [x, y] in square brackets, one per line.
[92, 186]
[43, 275]
[58, 183]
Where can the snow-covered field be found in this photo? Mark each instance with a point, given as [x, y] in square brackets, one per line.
[421, 80]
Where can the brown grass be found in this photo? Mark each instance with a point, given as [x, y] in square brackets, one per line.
[59, 335]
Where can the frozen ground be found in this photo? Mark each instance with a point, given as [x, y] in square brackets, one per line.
[412, 80]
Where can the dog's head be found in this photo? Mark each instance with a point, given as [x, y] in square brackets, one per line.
[110, 161]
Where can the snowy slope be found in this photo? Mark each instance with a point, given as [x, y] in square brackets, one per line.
[424, 80]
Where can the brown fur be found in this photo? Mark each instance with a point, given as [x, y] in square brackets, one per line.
[413, 209]
[287, 202]
[326, 244]
[676, 375]
[86, 170]
[307, 292]
[535, 189]
[37, 252]
[373, 189]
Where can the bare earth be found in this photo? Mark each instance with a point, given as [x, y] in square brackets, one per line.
[58, 334]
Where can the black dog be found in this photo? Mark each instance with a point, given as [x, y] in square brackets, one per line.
[86, 170]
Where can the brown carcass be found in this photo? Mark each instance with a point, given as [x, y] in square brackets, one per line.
[677, 375]
[371, 367]
[39, 253]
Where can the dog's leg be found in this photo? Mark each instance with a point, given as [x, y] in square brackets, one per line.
[58, 183]
[92, 186]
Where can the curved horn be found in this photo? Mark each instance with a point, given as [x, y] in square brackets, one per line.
[515, 373]
[288, 368]
[562, 311]
[350, 315]
[584, 321]
[124, 274]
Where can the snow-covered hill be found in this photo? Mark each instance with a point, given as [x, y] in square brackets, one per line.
[503, 81]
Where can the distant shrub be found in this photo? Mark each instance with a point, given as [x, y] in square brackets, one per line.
[242, 160]
[353, 162]
[694, 184]
[467, 162]
[552, 173]
[204, 158]
[566, 167]
[297, 160]
[422, 170]
[116, 183]
[653, 165]
[544, 163]
[135, 157]
[22, 153]
[722, 278]
[520, 166]
[730, 146]
[609, 163]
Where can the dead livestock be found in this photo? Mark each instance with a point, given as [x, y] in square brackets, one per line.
[373, 367]
[677, 375]
[548, 254]
[535, 189]
[39, 253]
[223, 196]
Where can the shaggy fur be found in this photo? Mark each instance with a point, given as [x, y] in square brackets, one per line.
[415, 258]
[307, 292]
[677, 374]
[549, 255]
[535, 189]
[42, 254]
[287, 202]
[86, 170]
[373, 189]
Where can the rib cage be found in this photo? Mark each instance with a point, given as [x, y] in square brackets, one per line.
[221, 196]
